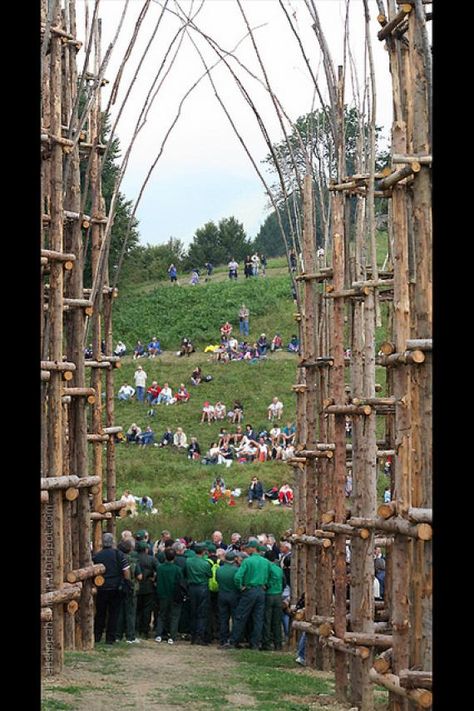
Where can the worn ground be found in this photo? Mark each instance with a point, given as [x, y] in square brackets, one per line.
[157, 676]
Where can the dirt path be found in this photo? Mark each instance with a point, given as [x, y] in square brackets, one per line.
[159, 676]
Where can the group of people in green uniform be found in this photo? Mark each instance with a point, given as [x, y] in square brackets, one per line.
[197, 590]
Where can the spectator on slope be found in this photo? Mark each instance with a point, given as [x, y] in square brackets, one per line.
[131, 503]
[196, 375]
[275, 409]
[244, 320]
[285, 494]
[194, 450]
[182, 394]
[194, 277]
[179, 439]
[236, 437]
[218, 481]
[167, 438]
[173, 274]
[126, 392]
[139, 351]
[165, 395]
[233, 267]
[132, 433]
[263, 261]
[248, 266]
[152, 393]
[226, 330]
[277, 343]
[219, 410]
[120, 349]
[146, 438]
[209, 267]
[256, 492]
[275, 435]
[140, 382]
[89, 352]
[225, 455]
[293, 262]
[262, 345]
[145, 504]
[213, 454]
[288, 433]
[255, 264]
[186, 347]
[154, 348]
[294, 345]
[207, 413]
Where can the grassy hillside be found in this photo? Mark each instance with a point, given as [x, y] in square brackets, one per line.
[180, 488]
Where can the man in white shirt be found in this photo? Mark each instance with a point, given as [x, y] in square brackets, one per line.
[275, 409]
[140, 382]
[165, 395]
[126, 392]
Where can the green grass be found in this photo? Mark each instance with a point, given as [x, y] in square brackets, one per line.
[55, 705]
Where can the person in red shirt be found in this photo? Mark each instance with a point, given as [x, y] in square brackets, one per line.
[152, 393]
[182, 394]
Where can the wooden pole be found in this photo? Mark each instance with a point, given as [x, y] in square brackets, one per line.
[110, 405]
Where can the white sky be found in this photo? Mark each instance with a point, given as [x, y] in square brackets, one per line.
[204, 173]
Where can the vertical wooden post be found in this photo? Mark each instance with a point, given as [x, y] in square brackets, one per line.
[55, 454]
[309, 353]
[81, 523]
[109, 401]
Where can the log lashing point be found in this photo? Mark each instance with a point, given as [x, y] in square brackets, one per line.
[83, 573]
[422, 697]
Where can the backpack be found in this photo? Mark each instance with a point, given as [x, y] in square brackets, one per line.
[207, 378]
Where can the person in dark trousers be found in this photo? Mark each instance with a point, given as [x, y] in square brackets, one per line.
[128, 609]
[228, 595]
[168, 590]
[198, 572]
[252, 578]
[255, 492]
[109, 595]
[272, 620]
[146, 591]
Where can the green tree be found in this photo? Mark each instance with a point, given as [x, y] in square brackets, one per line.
[151, 262]
[123, 210]
[232, 239]
[205, 247]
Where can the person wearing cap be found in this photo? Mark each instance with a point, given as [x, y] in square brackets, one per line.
[168, 590]
[252, 578]
[273, 593]
[140, 382]
[146, 590]
[228, 596]
[198, 571]
[109, 597]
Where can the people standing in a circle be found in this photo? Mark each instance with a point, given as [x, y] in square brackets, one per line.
[173, 274]
[244, 320]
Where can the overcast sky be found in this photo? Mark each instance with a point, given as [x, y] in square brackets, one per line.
[204, 173]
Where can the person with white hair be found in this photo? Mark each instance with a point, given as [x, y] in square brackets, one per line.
[275, 409]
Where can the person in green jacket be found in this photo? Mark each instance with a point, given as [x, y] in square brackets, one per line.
[272, 620]
[168, 584]
[228, 596]
[198, 572]
[252, 578]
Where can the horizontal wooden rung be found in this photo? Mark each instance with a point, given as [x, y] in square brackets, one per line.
[57, 256]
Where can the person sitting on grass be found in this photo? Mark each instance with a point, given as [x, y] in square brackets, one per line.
[212, 455]
[218, 481]
[152, 393]
[180, 440]
[196, 376]
[182, 394]
[207, 413]
[256, 492]
[275, 409]
[225, 456]
[146, 438]
[236, 437]
[277, 343]
[285, 494]
[139, 351]
[219, 410]
[194, 450]
[226, 330]
[154, 347]
[165, 395]
[186, 347]
[262, 345]
[120, 349]
[235, 415]
[126, 392]
[294, 345]
[133, 433]
[288, 433]
[167, 438]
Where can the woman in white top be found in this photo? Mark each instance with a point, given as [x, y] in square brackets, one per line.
[180, 439]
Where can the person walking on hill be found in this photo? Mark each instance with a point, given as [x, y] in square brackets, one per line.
[244, 320]
[173, 274]
[233, 267]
